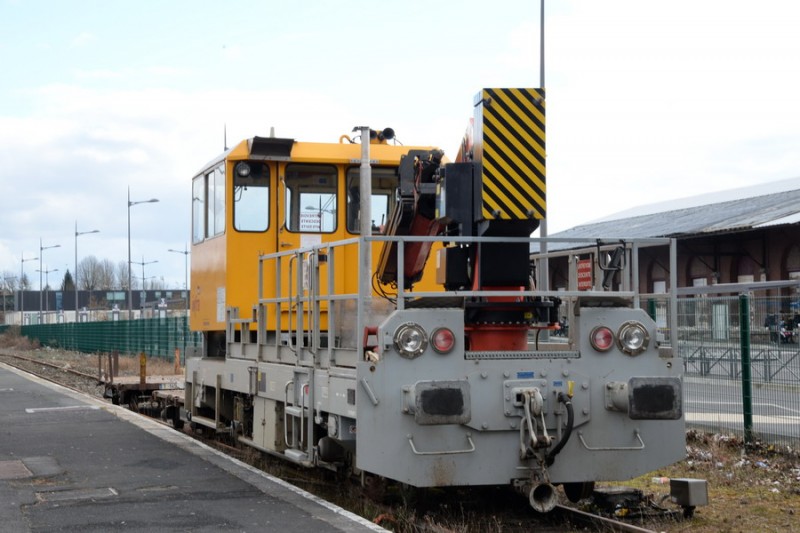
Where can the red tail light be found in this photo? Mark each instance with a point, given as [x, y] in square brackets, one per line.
[601, 338]
[443, 340]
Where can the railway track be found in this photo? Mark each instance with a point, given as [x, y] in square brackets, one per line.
[53, 365]
[405, 509]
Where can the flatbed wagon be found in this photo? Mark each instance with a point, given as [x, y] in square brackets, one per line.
[156, 396]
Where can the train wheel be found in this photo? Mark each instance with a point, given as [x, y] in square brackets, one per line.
[374, 486]
[578, 491]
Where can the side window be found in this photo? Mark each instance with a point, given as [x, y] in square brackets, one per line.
[311, 204]
[208, 204]
[384, 184]
[198, 209]
[209, 195]
[250, 196]
[219, 200]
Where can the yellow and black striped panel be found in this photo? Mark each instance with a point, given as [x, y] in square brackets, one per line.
[512, 134]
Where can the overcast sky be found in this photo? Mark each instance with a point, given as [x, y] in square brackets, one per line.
[646, 101]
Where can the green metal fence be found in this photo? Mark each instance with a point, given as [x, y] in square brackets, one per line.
[742, 366]
[157, 337]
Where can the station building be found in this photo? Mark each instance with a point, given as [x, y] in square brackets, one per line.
[746, 236]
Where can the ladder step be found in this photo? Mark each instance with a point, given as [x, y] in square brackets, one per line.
[293, 410]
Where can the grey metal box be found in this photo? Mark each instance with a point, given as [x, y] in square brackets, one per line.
[688, 492]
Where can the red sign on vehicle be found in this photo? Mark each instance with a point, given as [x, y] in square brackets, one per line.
[584, 274]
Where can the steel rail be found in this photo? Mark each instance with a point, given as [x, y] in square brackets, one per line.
[604, 523]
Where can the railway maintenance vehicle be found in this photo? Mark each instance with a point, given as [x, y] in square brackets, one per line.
[372, 308]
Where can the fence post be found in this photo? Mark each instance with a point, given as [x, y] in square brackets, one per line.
[747, 383]
[142, 369]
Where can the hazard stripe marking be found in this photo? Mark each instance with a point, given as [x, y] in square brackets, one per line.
[513, 154]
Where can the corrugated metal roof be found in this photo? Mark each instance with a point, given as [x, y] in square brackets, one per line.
[733, 215]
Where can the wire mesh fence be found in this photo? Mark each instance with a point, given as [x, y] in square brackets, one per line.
[741, 366]
[157, 337]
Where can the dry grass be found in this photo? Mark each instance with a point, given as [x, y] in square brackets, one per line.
[13, 340]
[750, 488]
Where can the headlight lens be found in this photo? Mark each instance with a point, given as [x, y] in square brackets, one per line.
[633, 338]
[601, 338]
[410, 340]
[242, 169]
[443, 340]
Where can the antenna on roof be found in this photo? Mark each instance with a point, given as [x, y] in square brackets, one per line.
[225, 136]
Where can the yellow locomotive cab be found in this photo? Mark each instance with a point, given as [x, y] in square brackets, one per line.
[268, 195]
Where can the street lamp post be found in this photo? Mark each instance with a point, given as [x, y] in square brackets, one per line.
[185, 253]
[143, 263]
[21, 293]
[41, 250]
[320, 211]
[75, 281]
[47, 281]
[130, 291]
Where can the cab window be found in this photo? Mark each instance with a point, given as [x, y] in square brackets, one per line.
[311, 204]
[384, 184]
[198, 209]
[208, 204]
[250, 196]
[216, 202]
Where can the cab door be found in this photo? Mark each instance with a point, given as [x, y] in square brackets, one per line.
[309, 216]
[252, 230]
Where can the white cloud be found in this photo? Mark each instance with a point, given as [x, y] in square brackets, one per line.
[83, 39]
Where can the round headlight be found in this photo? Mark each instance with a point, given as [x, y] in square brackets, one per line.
[601, 338]
[242, 169]
[410, 340]
[633, 338]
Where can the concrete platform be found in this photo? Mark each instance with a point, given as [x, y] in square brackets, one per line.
[72, 463]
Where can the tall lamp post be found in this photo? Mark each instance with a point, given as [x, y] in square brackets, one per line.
[41, 250]
[21, 293]
[185, 253]
[47, 281]
[143, 263]
[130, 291]
[75, 281]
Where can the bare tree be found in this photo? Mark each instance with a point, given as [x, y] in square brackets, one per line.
[108, 279]
[122, 276]
[88, 273]
[156, 284]
[11, 281]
